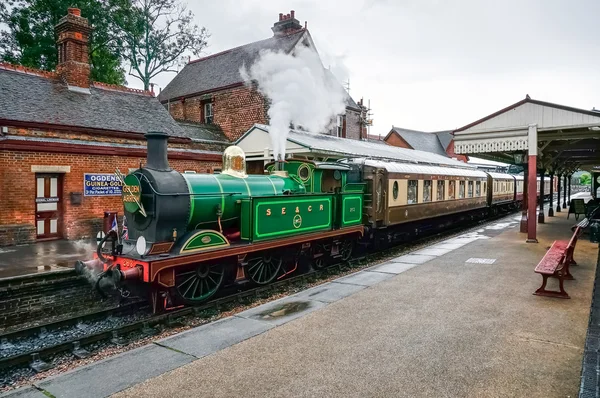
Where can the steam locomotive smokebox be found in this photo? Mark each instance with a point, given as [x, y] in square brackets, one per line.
[109, 216]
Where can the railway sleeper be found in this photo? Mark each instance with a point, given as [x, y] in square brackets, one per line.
[80, 353]
[37, 364]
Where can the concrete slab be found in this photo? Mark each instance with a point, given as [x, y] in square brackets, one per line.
[206, 339]
[393, 267]
[432, 251]
[365, 278]
[109, 376]
[412, 259]
[24, 392]
[329, 292]
[282, 311]
[450, 246]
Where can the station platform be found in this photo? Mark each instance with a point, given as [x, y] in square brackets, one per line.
[43, 257]
[456, 319]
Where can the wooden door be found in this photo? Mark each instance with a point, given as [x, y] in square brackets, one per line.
[48, 206]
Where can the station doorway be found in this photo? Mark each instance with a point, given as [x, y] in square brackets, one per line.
[48, 206]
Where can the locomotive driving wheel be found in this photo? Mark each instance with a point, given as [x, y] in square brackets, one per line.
[198, 284]
[264, 268]
[346, 249]
[320, 253]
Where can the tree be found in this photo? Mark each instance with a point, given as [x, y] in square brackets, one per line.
[585, 179]
[157, 33]
[30, 39]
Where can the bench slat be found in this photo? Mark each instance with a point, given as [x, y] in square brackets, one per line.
[552, 259]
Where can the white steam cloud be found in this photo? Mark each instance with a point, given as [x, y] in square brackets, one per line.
[301, 92]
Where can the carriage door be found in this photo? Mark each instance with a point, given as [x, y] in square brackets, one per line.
[379, 195]
[48, 205]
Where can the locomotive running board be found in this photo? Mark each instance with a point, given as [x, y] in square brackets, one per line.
[235, 250]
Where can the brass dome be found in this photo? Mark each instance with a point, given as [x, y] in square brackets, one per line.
[234, 162]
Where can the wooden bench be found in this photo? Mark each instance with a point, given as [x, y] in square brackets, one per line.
[556, 264]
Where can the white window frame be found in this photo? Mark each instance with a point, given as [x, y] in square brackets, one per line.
[208, 113]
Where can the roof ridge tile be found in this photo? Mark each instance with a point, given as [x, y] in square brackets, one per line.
[27, 70]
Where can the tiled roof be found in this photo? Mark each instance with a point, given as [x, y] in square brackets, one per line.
[343, 147]
[42, 98]
[203, 132]
[223, 69]
[422, 141]
[445, 138]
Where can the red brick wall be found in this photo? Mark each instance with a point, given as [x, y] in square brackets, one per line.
[17, 190]
[395, 140]
[235, 110]
[450, 152]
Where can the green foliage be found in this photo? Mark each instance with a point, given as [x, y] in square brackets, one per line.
[157, 33]
[148, 36]
[585, 179]
[30, 39]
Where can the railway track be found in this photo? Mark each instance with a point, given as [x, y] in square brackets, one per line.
[147, 326]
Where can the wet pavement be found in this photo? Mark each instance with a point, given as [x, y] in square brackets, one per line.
[50, 256]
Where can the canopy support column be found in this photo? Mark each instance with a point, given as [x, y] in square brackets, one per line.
[565, 191]
[559, 178]
[524, 202]
[569, 199]
[541, 219]
[550, 208]
[532, 199]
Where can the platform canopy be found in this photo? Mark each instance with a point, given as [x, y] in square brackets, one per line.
[567, 137]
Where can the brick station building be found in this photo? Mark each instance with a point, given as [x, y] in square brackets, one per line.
[211, 91]
[61, 135]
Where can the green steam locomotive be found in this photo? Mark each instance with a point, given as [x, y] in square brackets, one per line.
[190, 234]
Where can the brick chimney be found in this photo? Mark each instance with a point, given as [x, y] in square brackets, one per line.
[73, 64]
[286, 25]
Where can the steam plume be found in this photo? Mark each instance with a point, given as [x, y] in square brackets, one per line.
[301, 91]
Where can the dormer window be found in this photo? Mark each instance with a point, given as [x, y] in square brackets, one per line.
[339, 127]
[208, 112]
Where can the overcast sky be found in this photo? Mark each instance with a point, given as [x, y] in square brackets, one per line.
[431, 64]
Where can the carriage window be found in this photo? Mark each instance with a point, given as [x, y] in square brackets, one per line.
[478, 188]
[395, 190]
[412, 191]
[461, 189]
[427, 191]
[485, 187]
[451, 190]
[470, 189]
[440, 189]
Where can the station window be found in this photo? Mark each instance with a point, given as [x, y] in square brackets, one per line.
[208, 112]
[452, 190]
[440, 189]
[427, 193]
[470, 189]
[461, 189]
[478, 188]
[412, 191]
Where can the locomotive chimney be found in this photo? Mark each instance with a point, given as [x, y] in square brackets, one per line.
[156, 157]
